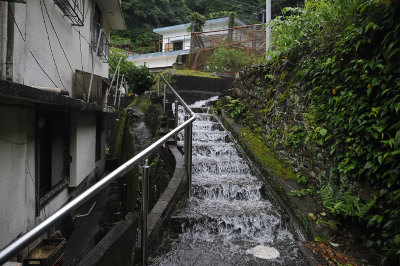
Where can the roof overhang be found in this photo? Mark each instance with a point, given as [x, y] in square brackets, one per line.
[168, 29]
[112, 12]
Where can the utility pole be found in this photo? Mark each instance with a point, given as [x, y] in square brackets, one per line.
[267, 20]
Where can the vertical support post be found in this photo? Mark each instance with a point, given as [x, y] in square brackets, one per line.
[165, 98]
[268, 29]
[116, 88]
[186, 153]
[145, 209]
[176, 118]
[158, 86]
[189, 165]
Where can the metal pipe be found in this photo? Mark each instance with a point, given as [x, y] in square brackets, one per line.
[165, 98]
[116, 89]
[189, 165]
[10, 43]
[176, 117]
[3, 38]
[112, 81]
[186, 154]
[268, 28]
[181, 101]
[145, 210]
[158, 86]
[16, 246]
[122, 82]
[91, 75]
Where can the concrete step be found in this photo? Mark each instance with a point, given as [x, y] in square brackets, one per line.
[171, 123]
[163, 131]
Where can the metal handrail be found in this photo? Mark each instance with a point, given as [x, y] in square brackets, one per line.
[16, 246]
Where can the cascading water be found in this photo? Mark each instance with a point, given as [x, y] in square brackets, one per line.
[227, 221]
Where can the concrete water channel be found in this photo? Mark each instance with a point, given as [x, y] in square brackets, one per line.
[228, 220]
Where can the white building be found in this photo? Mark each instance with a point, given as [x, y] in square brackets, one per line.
[176, 41]
[51, 139]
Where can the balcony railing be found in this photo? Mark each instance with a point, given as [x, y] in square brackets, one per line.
[73, 9]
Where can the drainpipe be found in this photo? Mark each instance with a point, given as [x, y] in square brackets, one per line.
[97, 51]
[3, 38]
[112, 81]
[10, 42]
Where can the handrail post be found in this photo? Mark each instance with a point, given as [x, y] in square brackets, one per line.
[158, 86]
[145, 209]
[176, 117]
[186, 153]
[165, 98]
[189, 160]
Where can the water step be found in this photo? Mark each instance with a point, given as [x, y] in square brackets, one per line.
[207, 126]
[203, 149]
[230, 191]
[207, 136]
[221, 167]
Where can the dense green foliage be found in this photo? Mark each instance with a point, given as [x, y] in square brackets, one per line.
[139, 79]
[348, 54]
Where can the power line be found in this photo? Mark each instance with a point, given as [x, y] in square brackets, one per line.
[51, 49]
[62, 48]
[20, 33]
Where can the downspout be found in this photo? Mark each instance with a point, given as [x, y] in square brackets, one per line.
[112, 81]
[3, 38]
[10, 42]
[97, 51]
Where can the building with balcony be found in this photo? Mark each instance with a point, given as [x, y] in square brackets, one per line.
[176, 41]
[54, 75]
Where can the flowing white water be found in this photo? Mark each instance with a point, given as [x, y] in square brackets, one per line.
[227, 221]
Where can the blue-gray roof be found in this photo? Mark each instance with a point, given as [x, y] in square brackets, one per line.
[184, 26]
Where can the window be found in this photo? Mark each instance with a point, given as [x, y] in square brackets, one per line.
[177, 46]
[52, 154]
[72, 9]
[104, 45]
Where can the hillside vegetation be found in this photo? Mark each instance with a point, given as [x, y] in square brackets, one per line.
[343, 58]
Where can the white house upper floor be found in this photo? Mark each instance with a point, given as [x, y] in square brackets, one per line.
[176, 40]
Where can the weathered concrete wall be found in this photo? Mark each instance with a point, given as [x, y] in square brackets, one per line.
[17, 172]
[18, 168]
[31, 23]
[203, 84]
[116, 247]
[83, 144]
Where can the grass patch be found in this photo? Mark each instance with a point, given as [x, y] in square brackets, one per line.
[188, 72]
[266, 156]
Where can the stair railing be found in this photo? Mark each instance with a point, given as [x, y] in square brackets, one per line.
[19, 244]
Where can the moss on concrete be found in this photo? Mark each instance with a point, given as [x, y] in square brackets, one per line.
[267, 157]
[195, 73]
[120, 134]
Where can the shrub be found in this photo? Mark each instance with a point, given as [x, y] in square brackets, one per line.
[139, 78]
[226, 59]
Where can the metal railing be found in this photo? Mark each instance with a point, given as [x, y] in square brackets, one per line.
[15, 247]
